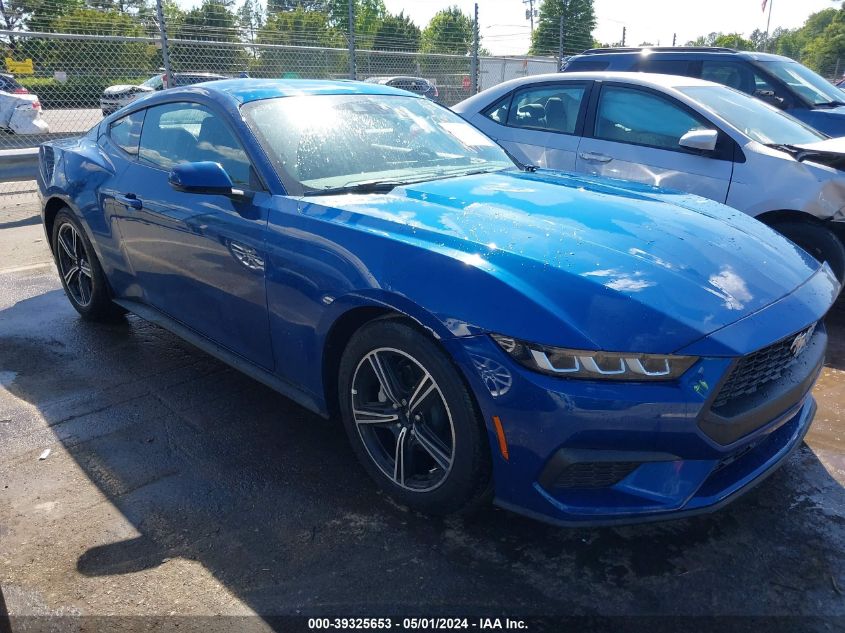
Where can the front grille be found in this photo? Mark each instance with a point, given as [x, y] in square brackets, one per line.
[594, 474]
[761, 367]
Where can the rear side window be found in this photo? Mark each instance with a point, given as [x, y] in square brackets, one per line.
[126, 132]
[666, 66]
[642, 118]
[188, 132]
[553, 107]
[498, 112]
[586, 65]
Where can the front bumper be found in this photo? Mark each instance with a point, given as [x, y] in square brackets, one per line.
[601, 452]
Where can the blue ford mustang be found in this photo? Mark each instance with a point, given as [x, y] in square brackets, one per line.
[581, 350]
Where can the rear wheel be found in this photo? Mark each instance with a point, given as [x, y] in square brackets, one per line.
[818, 240]
[82, 276]
[411, 419]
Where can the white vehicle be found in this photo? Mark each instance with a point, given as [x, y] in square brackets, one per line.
[20, 111]
[681, 133]
[115, 97]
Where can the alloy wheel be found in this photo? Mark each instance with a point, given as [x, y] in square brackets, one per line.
[75, 265]
[403, 419]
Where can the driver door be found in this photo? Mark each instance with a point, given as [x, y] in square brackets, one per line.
[634, 134]
[199, 258]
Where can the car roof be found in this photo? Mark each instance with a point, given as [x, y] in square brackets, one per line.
[246, 90]
[654, 80]
[680, 51]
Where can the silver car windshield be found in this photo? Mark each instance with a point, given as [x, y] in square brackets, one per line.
[806, 83]
[332, 142]
[757, 120]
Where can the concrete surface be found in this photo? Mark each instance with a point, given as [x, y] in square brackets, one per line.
[175, 485]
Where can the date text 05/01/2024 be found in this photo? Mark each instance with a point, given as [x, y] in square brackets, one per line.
[413, 624]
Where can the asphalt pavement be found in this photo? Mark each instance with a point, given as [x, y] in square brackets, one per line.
[140, 476]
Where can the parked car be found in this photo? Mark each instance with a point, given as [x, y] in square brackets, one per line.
[20, 111]
[115, 97]
[688, 134]
[778, 80]
[417, 85]
[583, 349]
[9, 84]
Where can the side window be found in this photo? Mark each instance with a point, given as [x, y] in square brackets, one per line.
[586, 65]
[731, 74]
[641, 118]
[665, 66]
[126, 132]
[554, 108]
[188, 132]
[498, 112]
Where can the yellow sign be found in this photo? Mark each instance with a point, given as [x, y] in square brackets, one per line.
[19, 68]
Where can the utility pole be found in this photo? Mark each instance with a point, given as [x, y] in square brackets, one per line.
[674, 38]
[768, 24]
[530, 13]
[351, 39]
[560, 45]
[624, 32]
[476, 36]
[165, 54]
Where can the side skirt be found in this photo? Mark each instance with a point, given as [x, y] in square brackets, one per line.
[208, 346]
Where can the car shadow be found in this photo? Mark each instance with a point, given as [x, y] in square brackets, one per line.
[210, 466]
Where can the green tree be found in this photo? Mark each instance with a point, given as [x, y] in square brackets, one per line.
[121, 6]
[301, 28]
[449, 31]
[280, 6]
[212, 21]
[369, 14]
[579, 20]
[397, 33]
[734, 40]
[93, 57]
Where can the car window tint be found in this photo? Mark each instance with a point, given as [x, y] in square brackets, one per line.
[731, 74]
[586, 65]
[666, 66]
[185, 133]
[498, 112]
[554, 108]
[126, 132]
[642, 118]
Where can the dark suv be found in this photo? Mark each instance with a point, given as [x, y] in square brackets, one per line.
[775, 79]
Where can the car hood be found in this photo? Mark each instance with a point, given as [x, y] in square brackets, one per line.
[590, 253]
[122, 88]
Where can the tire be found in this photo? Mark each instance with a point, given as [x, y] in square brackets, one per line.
[819, 241]
[445, 461]
[80, 272]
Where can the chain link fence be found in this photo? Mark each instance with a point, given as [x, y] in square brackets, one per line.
[73, 76]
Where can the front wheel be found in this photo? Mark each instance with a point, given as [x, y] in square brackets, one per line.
[411, 419]
[818, 240]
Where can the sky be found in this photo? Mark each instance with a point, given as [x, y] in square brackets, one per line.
[505, 31]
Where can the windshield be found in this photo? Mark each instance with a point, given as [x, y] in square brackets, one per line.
[321, 142]
[757, 120]
[153, 82]
[805, 82]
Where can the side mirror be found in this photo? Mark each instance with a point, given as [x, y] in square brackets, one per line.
[203, 177]
[702, 140]
[769, 97]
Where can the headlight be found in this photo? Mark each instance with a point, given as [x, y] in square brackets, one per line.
[592, 365]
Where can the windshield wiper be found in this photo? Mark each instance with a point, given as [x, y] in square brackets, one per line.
[829, 104]
[369, 186]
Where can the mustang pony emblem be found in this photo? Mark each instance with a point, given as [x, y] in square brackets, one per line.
[799, 343]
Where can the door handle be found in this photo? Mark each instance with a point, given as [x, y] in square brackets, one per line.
[130, 200]
[599, 158]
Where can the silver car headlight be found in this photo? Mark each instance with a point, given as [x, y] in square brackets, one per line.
[592, 365]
